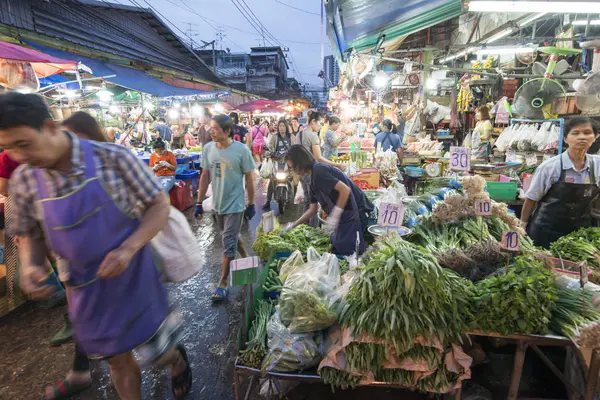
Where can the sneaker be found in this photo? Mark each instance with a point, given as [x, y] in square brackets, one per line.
[64, 335]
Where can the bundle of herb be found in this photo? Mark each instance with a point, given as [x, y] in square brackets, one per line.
[256, 347]
[579, 246]
[519, 300]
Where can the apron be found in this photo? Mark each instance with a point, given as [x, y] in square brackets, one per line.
[564, 209]
[110, 316]
[344, 239]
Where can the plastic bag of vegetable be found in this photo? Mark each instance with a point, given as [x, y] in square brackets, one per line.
[295, 260]
[308, 294]
[289, 352]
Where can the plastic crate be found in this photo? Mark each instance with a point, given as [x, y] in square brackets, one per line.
[502, 190]
[415, 172]
[189, 175]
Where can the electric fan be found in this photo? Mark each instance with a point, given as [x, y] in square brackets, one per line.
[588, 91]
[534, 98]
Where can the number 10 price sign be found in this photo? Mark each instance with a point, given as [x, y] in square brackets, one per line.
[510, 241]
[390, 214]
[483, 207]
[460, 158]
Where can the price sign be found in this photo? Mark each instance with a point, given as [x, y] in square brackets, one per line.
[583, 274]
[531, 159]
[483, 207]
[460, 158]
[511, 156]
[510, 241]
[244, 271]
[390, 214]
[268, 222]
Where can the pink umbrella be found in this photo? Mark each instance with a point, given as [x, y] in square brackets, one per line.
[256, 105]
[43, 64]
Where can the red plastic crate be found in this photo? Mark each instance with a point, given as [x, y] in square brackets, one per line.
[181, 195]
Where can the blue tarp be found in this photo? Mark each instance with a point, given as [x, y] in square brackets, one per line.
[126, 77]
[55, 79]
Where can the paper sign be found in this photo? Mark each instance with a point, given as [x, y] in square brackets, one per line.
[268, 222]
[390, 214]
[510, 241]
[244, 271]
[511, 156]
[531, 159]
[483, 207]
[460, 158]
[583, 274]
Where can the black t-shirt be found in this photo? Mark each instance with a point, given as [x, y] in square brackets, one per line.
[239, 133]
[324, 179]
[282, 144]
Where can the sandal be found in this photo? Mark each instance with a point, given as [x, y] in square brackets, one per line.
[183, 380]
[64, 389]
[220, 294]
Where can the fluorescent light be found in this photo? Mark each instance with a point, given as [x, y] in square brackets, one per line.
[529, 20]
[566, 7]
[584, 22]
[500, 35]
[381, 79]
[173, 113]
[431, 83]
[505, 50]
[454, 56]
[113, 109]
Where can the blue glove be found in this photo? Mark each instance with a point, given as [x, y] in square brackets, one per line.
[250, 212]
[199, 210]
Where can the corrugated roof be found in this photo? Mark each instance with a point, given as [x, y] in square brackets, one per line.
[130, 32]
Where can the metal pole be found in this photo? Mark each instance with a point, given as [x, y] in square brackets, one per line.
[214, 57]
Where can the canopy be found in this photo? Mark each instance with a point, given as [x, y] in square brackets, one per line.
[43, 64]
[128, 77]
[357, 24]
[255, 105]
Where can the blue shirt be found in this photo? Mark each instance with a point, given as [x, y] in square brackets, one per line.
[548, 173]
[164, 131]
[239, 133]
[325, 177]
[328, 144]
[388, 141]
[227, 168]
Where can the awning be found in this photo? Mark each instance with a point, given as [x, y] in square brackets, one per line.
[128, 77]
[255, 105]
[357, 24]
[56, 80]
[43, 64]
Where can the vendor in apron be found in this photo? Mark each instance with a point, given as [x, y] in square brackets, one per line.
[346, 206]
[481, 138]
[564, 187]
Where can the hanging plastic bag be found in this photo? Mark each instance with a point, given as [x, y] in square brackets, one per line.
[306, 302]
[299, 198]
[176, 244]
[266, 170]
[288, 352]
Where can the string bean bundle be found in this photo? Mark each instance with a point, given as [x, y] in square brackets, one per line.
[256, 347]
[339, 379]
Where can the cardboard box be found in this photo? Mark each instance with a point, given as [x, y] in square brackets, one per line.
[370, 176]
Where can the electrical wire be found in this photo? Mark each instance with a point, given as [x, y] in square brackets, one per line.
[296, 8]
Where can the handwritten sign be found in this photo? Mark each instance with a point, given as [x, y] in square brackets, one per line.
[390, 214]
[460, 158]
[510, 241]
[244, 271]
[268, 222]
[531, 159]
[483, 207]
[511, 155]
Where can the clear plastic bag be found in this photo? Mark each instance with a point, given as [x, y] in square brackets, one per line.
[306, 302]
[289, 352]
[294, 261]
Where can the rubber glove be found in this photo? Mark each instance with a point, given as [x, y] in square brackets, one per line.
[250, 212]
[333, 219]
[288, 227]
[199, 210]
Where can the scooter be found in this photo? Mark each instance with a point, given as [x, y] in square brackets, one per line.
[283, 192]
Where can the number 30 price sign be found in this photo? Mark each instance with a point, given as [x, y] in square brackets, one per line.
[460, 158]
[390, 214]
[510, 241]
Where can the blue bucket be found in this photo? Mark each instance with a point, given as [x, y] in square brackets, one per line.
[188, 175]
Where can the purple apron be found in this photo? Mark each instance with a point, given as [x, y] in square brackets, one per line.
[110, 316]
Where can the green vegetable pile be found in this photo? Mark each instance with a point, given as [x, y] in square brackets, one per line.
[305, 311]
[402, 293]
[519, 300]
[575, 316]
[256, 347]
[300, 238]
[273, 283]
[339, 379]
[579, 246]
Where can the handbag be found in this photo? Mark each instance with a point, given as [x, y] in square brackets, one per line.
[176, 245]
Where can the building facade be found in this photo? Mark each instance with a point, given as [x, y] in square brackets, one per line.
[232, 68]
[331, 70]
[267, 71]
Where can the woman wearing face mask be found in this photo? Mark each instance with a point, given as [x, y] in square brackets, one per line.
[164, 164]
[346, 205]
[564, 187]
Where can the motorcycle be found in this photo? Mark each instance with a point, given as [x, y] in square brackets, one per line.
[283, 189]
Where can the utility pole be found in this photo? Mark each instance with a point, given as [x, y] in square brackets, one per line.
[214, 56]
[190, 33]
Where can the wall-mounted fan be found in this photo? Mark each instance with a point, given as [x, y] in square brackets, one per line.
[588, 90]
[534, 98]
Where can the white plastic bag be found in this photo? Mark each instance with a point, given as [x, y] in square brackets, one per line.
[266, 170]
[299, 198]
[181, 255]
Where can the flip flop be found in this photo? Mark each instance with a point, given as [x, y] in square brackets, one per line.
[64, 389]
[220, 294]
[185, 378]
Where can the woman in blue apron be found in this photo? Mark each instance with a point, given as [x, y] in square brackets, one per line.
[564, 188]
[388, 139]
[346, 206]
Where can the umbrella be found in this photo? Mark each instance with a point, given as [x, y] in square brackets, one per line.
[43, 64]
[255, 105]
